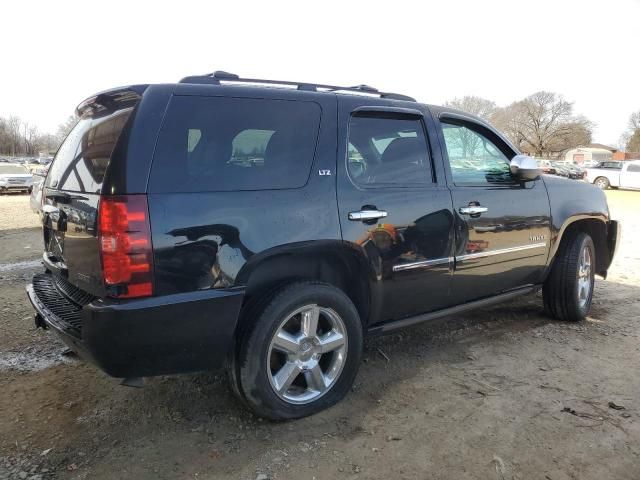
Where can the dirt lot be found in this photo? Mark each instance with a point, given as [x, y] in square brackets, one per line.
[502, 393]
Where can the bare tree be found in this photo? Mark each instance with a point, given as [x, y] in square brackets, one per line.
[465, 139]
[634, 121]
[631, 138]
[543, 124]
[13, 129]
[48, 143]
[29, 137]
[65, 127]
[475, 105]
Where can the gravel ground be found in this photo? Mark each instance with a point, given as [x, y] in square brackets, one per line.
[501, 393]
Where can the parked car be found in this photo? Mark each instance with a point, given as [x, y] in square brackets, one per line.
[611, 165]
[577, 172]
[221, 222]
[565, 169]
[546, 167]
[627, 176]
[15, 178]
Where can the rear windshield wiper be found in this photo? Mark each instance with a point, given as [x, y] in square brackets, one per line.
[64, 197]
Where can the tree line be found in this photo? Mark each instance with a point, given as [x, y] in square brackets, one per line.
[631, 138]
[19, 137]
[542, 124]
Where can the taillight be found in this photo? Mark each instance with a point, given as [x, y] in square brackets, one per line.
[124, 236]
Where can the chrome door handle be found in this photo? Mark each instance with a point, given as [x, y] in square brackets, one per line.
[473, 210]
[367, 215]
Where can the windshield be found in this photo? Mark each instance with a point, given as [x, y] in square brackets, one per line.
[13, 169]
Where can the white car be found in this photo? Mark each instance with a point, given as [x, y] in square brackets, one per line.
[627, 176]
[15, 177]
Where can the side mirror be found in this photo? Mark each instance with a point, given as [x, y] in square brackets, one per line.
[524, 168]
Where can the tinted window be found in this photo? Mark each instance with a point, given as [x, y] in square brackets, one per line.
[474, 159]
[223, 144]
[633, 168]
[82, 160]
[388, 150]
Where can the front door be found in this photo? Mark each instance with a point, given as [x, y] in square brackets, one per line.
[395, 208]
[502, 225]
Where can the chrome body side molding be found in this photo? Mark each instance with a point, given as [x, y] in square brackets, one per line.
[422, 264]
[502, 251]
[470, 256]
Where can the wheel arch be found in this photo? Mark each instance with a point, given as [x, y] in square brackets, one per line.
[596, 227]
[334, 262]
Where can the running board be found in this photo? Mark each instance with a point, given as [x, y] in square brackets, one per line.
[407, 322]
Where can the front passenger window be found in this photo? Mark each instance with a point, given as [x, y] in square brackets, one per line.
[474, 159]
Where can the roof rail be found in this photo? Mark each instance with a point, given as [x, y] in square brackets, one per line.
[219, 76]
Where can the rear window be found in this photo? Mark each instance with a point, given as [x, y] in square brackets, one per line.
[82, 160]
[226, 144]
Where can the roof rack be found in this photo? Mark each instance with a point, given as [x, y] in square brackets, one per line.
[219, 76]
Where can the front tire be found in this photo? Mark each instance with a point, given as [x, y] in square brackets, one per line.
[602, 183]
[301, 352]
[568, 290]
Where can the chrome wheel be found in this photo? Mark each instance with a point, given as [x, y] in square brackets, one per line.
[584, 277]
[306, 354]
[602, 183]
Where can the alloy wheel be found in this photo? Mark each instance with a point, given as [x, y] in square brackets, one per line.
[601, 183]
[584, 276]
[306, 354]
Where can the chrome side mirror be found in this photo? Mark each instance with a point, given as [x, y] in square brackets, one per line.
[524, 168]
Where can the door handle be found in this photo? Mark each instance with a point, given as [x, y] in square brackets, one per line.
[364, 215]
[473, 210]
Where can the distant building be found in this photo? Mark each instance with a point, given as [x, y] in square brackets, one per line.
[594, 152]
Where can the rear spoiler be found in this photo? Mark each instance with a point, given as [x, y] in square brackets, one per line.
[105, 103]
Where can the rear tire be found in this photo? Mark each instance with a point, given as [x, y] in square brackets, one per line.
[568, 290]
[602, 183]
[300, 353]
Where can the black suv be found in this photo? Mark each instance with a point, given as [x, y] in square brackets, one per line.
[269, 226]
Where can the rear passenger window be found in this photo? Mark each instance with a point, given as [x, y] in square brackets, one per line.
[225, 144]
[388, 149]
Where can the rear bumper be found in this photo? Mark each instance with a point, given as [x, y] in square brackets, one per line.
[143, 337]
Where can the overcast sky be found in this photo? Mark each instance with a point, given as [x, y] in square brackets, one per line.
[57, 53]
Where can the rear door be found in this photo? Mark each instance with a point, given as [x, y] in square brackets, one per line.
[502, 226]
[235, 175]
[72, 192]
[395, 207]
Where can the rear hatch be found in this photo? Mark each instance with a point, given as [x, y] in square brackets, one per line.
[71, 193]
